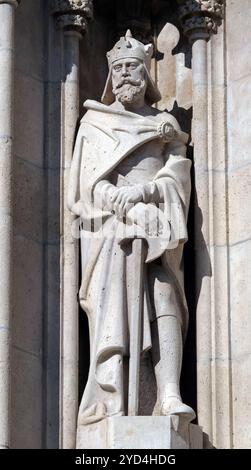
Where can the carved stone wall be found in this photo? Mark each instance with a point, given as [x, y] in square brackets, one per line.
[72, 14]
[200, 18]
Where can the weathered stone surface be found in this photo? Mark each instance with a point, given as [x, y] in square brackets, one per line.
[30, 51]
[28, 299]
[140, 432]
[28, 200]
[238, 123]
[201, 18]
[240, 304]
[7, 13]
[72, 15]
[29, 119]
[26, 401]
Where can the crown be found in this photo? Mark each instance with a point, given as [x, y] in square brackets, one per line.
[129, 47]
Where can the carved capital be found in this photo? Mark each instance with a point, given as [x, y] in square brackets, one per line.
[72, 15]
[200, 18]
[14, 3]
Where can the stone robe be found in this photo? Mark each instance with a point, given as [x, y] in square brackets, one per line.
[124, 148]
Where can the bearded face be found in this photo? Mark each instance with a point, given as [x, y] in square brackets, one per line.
[128, 80]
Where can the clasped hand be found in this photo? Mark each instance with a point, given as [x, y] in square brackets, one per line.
[129, 201]
[123, 198]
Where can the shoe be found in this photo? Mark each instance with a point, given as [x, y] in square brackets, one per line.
[172, 405]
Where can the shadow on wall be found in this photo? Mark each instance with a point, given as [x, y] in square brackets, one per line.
[193, 282]
[174, 76]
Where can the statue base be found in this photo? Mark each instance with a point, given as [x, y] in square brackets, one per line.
[140, 432]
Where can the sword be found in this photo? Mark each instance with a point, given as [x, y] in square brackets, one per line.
[136, 323]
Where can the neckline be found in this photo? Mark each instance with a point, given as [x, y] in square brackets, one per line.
[95, 105]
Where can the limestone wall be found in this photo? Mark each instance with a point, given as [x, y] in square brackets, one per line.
[238, 65]
[224, 327]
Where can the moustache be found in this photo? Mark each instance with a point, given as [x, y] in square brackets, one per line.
[128, 81]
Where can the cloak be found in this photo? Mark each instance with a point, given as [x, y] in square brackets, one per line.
[105, 138]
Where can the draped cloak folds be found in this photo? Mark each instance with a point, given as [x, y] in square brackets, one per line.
[105, 138]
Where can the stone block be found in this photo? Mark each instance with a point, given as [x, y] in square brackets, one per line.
[239, 183]
[241, 384]
[238, 16]
[240, 304]
[238, 123]
[140, 432]
[240, 300]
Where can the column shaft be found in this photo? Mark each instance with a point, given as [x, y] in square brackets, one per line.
[69, 251]
[71, 16]
[202, 232]
[7, 13]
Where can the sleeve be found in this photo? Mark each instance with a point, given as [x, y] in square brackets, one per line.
[153, 191]
[102, 192]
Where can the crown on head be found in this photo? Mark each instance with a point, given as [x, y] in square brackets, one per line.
[132, 48]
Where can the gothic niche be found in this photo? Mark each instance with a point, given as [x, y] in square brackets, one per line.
[130, 183]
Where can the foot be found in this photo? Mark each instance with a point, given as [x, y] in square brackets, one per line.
[172, 405]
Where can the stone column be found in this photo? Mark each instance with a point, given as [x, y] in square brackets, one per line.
[200, 19]
[7, 16]
[71, 17]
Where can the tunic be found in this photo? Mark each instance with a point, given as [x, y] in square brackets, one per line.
[124, 149]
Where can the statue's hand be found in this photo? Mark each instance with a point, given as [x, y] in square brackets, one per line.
[150, 218]
[103, 193]
[122, 200]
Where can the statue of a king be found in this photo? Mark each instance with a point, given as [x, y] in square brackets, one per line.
[130, 180]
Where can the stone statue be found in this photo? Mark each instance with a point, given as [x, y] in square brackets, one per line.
[130, 180]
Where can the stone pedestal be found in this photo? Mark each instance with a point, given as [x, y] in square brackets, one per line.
[140, 432]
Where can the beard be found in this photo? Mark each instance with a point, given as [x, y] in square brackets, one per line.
[127, 91]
